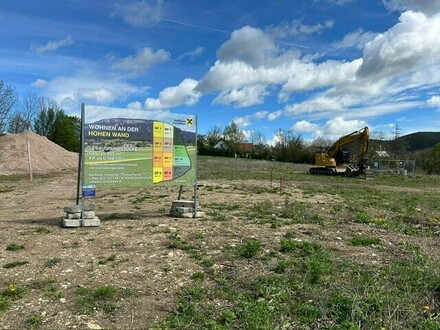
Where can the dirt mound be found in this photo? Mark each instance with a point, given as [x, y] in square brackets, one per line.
[46, 156]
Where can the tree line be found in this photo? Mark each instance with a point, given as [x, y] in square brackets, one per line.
[42, 115]
[289, 146]
[45, 117]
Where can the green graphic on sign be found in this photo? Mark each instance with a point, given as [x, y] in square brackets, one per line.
[133, 148]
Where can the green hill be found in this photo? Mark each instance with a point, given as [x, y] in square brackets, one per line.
[416, 141]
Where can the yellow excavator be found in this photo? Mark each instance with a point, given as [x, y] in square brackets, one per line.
[336, 161]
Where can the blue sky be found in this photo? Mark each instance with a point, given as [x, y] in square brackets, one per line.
[318, 67]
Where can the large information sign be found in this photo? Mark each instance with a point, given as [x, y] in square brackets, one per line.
[131, 148]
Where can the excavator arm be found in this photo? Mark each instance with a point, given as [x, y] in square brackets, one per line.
[362, 135]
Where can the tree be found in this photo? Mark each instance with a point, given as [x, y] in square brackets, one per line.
[261, 150]
[29, 106]
[67, 132]
[47, 118]
[17, 124]
[53, 123]
[213, 135]
[233, 136]
[8, 99]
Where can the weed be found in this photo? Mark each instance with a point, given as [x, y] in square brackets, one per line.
[15, 264]
[6, 189]
[14, 247]
[359, 240]
[34, 321]
[282, 265]
[112, 258]
[198, 276]
[216, 216]
[249, 249]
[54, 292]
[224, 206]
[102, 298]
[207, 263]
[199, 235]
[13, 291]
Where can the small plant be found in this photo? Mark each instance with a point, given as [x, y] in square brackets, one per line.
[200, 235]
[365, 241]
[198, 276]
[34, 321]
[13, 291]
[5, 189]
[207, 263]
[14, 247]
[249, 249]
[100, 299]
[216, 216]
[15, 264]
[112, 258]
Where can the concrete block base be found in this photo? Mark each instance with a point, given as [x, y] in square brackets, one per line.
[95, 222]
[185, 209]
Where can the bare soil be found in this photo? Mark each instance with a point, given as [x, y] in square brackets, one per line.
[130, 249]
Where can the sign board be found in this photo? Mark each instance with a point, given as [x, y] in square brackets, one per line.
[135, 148]
[89, 191]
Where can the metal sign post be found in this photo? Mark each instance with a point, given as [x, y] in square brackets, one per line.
[82, 163]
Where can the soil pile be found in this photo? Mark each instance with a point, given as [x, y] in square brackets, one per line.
[46, 156]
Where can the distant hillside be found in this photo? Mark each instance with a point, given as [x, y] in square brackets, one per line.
[416, 141]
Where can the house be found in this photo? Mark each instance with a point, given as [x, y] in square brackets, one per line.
[221, 144]
[244, 149]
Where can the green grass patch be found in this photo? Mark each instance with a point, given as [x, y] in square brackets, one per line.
[248, 249]
[14, 264]
[359, 240]
[103, 298]
[6, 189]
[14, 246]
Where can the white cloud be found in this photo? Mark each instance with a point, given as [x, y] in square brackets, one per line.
[338, 127]
[410, 44]
[192, 54]
[297, 29]
[305, 126]
[52, 45]
[144, 60]
[242, 97]
[247, 120]
[135, 105]
[242, 122]
[274, 115]
[426, 6]
[90, 87]
[39, 83]
[247, 45]
[309, 76]
[357, 39]
[141, 13]
[184, 94]
[434, 102]
[337, 2]
[318, 104]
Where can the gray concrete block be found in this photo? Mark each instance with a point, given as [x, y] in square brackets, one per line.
[73, 215]
[191, 215]
[77, 208]
[95, 222]
[182, 203]
[89, 214]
